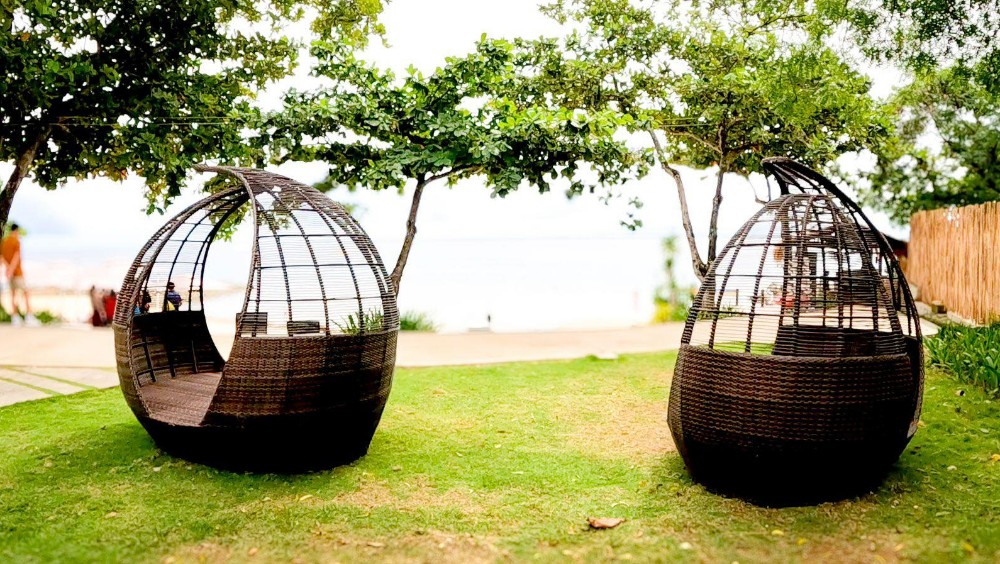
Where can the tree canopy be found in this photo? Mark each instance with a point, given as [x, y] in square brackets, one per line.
[945, 111]
[946, 150]
[151, 88]
[709, 92]
[106, 87]
[466, 119]
[919, 35]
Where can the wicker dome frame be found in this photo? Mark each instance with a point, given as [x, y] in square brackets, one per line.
[798, 379]
[793, 177]
[311, 365]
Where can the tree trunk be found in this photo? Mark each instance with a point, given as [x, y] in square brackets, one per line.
[21, 168]
[713, 225]
[712, 302]
[699, 266]
[411, 231]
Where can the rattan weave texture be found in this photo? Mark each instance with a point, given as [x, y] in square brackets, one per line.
[312, 362]
[798, 378]
[793, 177]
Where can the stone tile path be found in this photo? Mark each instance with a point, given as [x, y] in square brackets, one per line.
[23, 383]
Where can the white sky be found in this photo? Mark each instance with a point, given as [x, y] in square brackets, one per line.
[98, 214]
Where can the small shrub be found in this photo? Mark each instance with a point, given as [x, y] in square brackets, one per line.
[971, 353]
[741, 346]
[370, 322]
[672, 301]
[46, 317]
[416, 321]
[666, 312]
[724, 313]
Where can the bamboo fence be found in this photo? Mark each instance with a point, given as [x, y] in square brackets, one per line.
[954, 258]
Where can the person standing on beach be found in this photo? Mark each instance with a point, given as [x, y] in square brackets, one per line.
[10, 252]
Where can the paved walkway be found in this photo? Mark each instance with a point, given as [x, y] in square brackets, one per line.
[38, 362]
[23, 383]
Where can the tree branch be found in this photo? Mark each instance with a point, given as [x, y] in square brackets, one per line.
[695, 137]
[447, 173]
[713, 224]
[700, 268]
[766, 23]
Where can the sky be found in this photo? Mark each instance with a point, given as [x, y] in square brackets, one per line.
[529, 261]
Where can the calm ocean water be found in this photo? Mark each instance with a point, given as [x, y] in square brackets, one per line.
[520, 284]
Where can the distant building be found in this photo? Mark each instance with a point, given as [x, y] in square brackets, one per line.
[899, 247]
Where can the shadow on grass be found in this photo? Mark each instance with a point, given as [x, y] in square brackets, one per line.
[671, 480]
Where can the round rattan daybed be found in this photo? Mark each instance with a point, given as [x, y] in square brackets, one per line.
[315, 345]
[795, 382]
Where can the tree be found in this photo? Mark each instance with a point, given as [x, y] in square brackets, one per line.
[947, 148]
[461, 121]
[918, 35]
[945, 114]
[709, 92]
[105, 87]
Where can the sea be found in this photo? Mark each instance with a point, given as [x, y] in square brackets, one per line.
[500, 284]
[527, 262]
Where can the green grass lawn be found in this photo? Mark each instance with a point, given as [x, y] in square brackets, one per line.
[482, 464]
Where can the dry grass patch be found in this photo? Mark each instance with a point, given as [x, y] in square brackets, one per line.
[202, 553]
[419, 547]
[415, 494]
[882, 548]
[616, 425]
[871, 549]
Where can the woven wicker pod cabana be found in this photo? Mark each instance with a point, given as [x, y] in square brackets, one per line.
[795, 381]
[311, 365]
[796, 178]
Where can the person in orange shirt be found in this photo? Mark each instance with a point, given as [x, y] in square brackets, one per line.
[10, 252]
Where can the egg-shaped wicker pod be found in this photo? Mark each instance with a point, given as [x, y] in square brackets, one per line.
[793, 383]
[311, 365]
[796, 178]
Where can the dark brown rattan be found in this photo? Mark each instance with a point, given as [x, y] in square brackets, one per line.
[311, 365]
[793, 177]
[795, 380]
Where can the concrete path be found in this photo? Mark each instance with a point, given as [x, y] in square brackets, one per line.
[38, 362]
[23, 383]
